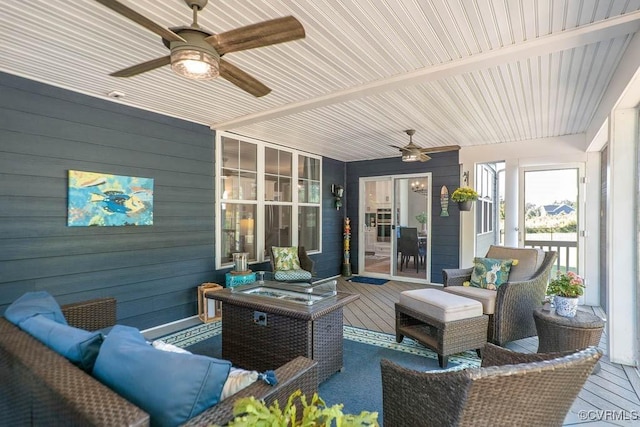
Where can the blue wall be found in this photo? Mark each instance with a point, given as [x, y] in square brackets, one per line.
[153, 271]
[445, 231]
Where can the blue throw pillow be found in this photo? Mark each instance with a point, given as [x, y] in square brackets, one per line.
[170, 387]
[32, 304]
[77, 345]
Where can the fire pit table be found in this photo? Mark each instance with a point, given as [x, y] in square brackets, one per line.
[269, 323]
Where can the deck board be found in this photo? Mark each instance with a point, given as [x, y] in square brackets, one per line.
[613, 389]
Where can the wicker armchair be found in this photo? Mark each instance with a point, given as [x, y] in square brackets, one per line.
[306, 263]
[510, 389]
[511, 312]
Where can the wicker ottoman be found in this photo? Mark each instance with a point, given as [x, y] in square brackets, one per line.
[444, 322]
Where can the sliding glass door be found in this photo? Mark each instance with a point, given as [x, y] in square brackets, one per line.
[395, 218]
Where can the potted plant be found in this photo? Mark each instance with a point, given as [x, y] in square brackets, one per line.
[249, 411]
[566, 288]
[464, 196]
[422, 219]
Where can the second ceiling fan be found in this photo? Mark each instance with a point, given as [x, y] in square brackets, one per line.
[413, 153]
[197, 53]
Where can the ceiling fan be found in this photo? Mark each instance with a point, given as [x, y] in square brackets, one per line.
[197, 53]
[412, 153]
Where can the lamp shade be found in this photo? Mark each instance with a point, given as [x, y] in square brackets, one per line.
[246, 226]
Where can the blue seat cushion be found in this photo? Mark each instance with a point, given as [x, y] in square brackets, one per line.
[292, 275]
[170, 387]
[31, 304]
[77, 345]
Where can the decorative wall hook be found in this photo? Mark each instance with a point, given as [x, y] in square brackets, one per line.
[465, 177]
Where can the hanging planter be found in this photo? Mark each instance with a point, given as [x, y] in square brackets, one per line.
[464, 196]
[466, 205]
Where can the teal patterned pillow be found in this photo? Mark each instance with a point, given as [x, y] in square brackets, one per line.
[490, 273]
[286, 258]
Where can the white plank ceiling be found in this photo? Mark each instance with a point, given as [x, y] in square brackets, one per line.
[464, 72]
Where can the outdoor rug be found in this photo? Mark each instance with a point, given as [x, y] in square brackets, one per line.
[358, 386]
[368, 280]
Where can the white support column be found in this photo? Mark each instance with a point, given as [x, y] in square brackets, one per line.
[621, 247]
[591, 249]
[511, 202]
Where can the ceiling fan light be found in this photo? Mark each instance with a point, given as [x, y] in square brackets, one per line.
[410, 157]
[195, 64]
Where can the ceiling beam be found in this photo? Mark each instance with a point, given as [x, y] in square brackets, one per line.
[610, 28]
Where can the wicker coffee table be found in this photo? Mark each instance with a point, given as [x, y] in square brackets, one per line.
[261, 333]
[558, 333]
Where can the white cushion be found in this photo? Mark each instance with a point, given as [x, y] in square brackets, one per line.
[486, 297]
[237, 380]
[440, 305]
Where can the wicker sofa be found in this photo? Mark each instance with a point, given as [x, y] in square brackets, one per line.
[40, 387]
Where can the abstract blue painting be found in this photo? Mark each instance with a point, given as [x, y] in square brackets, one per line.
[98, 199]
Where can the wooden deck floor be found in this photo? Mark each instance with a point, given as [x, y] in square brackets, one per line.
[610, 397]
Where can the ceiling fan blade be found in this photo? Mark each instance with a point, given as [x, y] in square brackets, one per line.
[144, 67]
[241, 79]
[399, 148]
[257, 35]
[423, 157]
[440, 149]
[127, 12]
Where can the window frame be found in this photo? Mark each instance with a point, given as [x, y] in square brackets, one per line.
[260, 201]
[486, 184]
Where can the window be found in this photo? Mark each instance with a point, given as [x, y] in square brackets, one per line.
[486, 188]
[309, 202]
[258, 206]
[278, 171]
[238, 181]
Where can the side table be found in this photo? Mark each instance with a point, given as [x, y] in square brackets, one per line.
[558, 333]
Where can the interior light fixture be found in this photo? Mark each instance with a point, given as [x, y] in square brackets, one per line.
[419, 187]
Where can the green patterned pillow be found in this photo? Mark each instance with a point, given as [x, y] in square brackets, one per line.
[490, 273]
[286, 258]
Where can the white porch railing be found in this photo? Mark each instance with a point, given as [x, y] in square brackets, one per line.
[567, 252]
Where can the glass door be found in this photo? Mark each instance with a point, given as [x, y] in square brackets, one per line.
[376, 220]
[551, 217]
[412, 228]
[395, 227]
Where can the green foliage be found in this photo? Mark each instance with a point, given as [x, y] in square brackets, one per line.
[464, 194]
[550, 225]
[250, 412]
[422, 217]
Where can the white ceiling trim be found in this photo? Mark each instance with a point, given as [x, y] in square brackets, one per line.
[611, 28]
